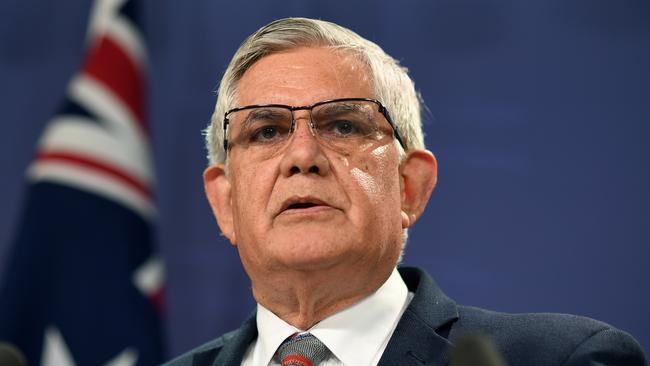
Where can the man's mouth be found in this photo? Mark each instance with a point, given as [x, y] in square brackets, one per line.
[303, 204]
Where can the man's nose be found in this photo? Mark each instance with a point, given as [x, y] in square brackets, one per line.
[303, 153]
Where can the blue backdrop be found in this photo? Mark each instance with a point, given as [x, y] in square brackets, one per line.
[539, 116]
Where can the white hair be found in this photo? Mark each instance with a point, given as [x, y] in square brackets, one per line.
[391, 83]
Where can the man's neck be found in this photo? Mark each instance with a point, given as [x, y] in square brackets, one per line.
[304, 298]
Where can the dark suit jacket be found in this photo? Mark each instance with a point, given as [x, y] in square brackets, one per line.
[433, 322]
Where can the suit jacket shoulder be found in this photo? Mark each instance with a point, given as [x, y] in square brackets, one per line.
[522, 339]
[550, 339]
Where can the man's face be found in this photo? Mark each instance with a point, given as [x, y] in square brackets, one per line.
[309, 207]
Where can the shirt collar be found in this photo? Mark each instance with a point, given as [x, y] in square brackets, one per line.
[369, 323]
[272, 332]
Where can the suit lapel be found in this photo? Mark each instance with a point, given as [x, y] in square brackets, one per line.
[420, 336]
[234, 348]
[229, 349]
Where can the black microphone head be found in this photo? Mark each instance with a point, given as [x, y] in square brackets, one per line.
[11, 356]
[475, 350]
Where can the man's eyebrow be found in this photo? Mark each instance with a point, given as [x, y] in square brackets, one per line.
[340, 107]
[273, 113]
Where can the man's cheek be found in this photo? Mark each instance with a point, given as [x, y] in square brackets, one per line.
[366, 182]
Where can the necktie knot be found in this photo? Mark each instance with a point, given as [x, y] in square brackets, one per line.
[302, 349]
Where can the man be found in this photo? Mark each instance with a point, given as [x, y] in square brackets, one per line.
[317, 169]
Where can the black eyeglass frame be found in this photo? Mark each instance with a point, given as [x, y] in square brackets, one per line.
[382, 110]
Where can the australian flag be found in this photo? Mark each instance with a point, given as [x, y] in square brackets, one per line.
[84, 284]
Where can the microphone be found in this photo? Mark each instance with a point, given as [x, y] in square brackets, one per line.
[11, 356]
[475, 350]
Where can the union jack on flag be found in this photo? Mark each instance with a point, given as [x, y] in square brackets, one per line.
[84, 284]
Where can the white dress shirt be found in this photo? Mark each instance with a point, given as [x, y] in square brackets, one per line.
[357, 335]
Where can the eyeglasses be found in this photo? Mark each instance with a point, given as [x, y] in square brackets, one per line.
[342, 124]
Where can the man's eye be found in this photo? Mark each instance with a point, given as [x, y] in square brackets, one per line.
[348, 128]
[267, 133]
[345, 128]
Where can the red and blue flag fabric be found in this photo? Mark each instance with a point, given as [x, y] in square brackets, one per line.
[83, 284]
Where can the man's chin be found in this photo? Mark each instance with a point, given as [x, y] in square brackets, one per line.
[311, 264]
[311, 249]
[319, 229]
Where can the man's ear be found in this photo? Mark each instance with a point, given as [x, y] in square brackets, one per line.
[218, 190]
[419, 173]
